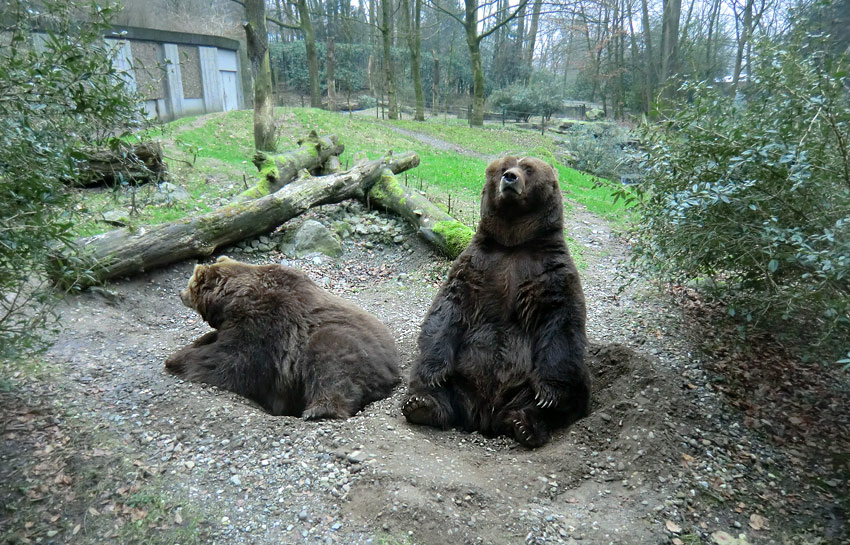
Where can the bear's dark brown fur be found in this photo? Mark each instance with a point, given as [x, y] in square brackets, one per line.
[502, 347]
[284, 342]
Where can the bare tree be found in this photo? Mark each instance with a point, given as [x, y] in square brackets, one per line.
[670, 44]
[470, 20]
[386, 32]
[414, 40]
[258, 54]
[532, 36]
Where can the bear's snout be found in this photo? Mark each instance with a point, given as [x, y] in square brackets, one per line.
[186, 298]
[512, 180]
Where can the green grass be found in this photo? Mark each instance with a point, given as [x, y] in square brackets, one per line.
[211, 158]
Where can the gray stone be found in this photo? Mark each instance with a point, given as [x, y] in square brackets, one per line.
[168, 193]
[116, 217]
[594, 114]
[343, 229]
[313, 237]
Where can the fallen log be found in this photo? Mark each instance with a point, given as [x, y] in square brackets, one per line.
[132, 164]
[278, 170]
[437, 227]
[124, 252]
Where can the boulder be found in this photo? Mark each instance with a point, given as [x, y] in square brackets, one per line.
[313, 237]
[595, 114]
[168, 193]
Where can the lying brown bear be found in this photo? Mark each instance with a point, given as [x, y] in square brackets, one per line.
[502, 346]
[285, 343]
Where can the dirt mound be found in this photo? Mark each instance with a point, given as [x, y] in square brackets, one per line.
[454, 487]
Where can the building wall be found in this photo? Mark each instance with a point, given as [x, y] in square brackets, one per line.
[221, 18]
[180, 74]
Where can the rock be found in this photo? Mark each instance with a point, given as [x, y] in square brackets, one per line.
[313, 237]
[361, 229]
[594, 114]
[168, 193]
[343, 229]
[119, 218]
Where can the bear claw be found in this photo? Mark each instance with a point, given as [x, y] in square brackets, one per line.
[419, 409]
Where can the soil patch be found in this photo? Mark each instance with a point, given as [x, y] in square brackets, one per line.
[105, 445]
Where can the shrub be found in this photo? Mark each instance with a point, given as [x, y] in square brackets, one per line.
[602, 149]
[55, 101]
[752, 196]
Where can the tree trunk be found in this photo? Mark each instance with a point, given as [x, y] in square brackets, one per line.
[519, 44]
[414, 42]
[477, 117]
[278, 170]
[129, 164]
[125, 252]
[386, 31]
[532, 37]
[650, 57]
[742, 42]
[670, 45]
[312, 53]
[435, 86]
[330, 74]
[435, 226]
[258, 53]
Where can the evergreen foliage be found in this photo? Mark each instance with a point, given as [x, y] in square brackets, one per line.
[750, 195]
[56, 100]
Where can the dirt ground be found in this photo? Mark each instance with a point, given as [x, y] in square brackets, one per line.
[100, 445]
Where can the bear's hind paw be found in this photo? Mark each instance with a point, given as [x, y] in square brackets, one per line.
[421, 410]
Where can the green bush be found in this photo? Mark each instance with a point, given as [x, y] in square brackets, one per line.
[56, 100]
[602, 149]
[750, 196]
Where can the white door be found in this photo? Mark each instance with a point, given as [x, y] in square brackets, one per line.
[230, 100]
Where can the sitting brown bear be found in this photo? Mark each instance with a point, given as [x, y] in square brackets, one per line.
[285, 343]
[502, 346]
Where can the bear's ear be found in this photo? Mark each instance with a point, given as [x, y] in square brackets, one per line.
[199, 272]
[225, 259]
[495, 166]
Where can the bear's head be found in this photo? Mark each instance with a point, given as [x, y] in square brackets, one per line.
[521, 201]
[226, 289]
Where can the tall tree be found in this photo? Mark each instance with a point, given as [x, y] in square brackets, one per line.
[649, 68]
[329, 57]
[312, 53]
[671, 14]
[387, 32]
[532, 36]
[414, 43]
[258, 54]
[470, 21]
[305, 26]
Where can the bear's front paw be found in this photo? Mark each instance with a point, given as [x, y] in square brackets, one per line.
[529, 433]
[433, 375]
[547, 395]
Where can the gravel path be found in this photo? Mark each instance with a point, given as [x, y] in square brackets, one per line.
[101, 445]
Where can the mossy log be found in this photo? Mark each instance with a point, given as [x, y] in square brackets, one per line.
[278, 170]
[444, 232]
[124, 252]
[133, 164]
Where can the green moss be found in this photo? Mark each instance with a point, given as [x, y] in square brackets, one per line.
[456, 235]
[387, 189]
[269, 171]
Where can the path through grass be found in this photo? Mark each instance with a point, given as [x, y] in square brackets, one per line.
[211, 158]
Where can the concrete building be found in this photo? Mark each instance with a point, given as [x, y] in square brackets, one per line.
[178, 73]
